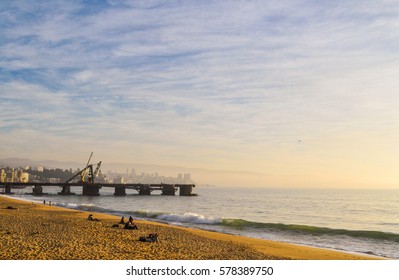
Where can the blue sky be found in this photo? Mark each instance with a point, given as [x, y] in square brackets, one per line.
[230, 85]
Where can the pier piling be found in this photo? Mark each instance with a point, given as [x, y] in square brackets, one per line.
[7, 189]
[66, 190]
[144, 190]
[37, 190]
[91, 190]
[168, 190]
[186, 190]
[120, 191]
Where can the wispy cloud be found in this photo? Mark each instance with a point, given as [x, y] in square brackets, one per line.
[181, 81]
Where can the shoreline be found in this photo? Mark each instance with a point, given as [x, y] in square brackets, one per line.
[36, 231]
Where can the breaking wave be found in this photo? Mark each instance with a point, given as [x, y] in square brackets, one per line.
[240, 224]
[191, 218]
[312, 230]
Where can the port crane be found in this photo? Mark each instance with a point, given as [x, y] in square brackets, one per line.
[88, 170]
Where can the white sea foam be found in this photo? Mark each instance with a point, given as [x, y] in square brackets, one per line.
[189, 218]
[87, 205]
[71, 205]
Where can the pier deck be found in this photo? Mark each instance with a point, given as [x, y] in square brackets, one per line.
[93, 189]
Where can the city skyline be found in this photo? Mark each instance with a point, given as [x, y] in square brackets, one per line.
[36, 174]
[292, 93]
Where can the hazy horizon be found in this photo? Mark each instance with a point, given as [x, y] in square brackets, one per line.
[300, 93]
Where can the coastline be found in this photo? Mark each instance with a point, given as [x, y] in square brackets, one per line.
[41, 232]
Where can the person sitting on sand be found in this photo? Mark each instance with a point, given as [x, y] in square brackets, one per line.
[122, 220]
[130, 225]
[90, 218]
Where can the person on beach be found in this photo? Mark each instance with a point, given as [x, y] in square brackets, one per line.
[130, 224]
[152, 237]
[122, 221]
[90, 218]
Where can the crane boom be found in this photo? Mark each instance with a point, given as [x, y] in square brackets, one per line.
[83, 174]
[97, 169]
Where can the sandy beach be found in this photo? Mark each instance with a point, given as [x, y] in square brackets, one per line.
[41, 232]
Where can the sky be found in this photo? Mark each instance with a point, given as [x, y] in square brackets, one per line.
[300, 92]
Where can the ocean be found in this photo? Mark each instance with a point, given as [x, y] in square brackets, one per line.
[360, 221]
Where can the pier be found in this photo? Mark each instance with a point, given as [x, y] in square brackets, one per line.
[93, 189]
[86, 179]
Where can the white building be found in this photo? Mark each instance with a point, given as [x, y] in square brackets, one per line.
[24, 177]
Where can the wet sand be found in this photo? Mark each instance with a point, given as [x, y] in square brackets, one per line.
[40, 232]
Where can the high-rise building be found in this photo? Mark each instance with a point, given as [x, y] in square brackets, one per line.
[3, 176]
[187, 177]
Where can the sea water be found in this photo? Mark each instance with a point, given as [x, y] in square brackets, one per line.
[360, 221]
